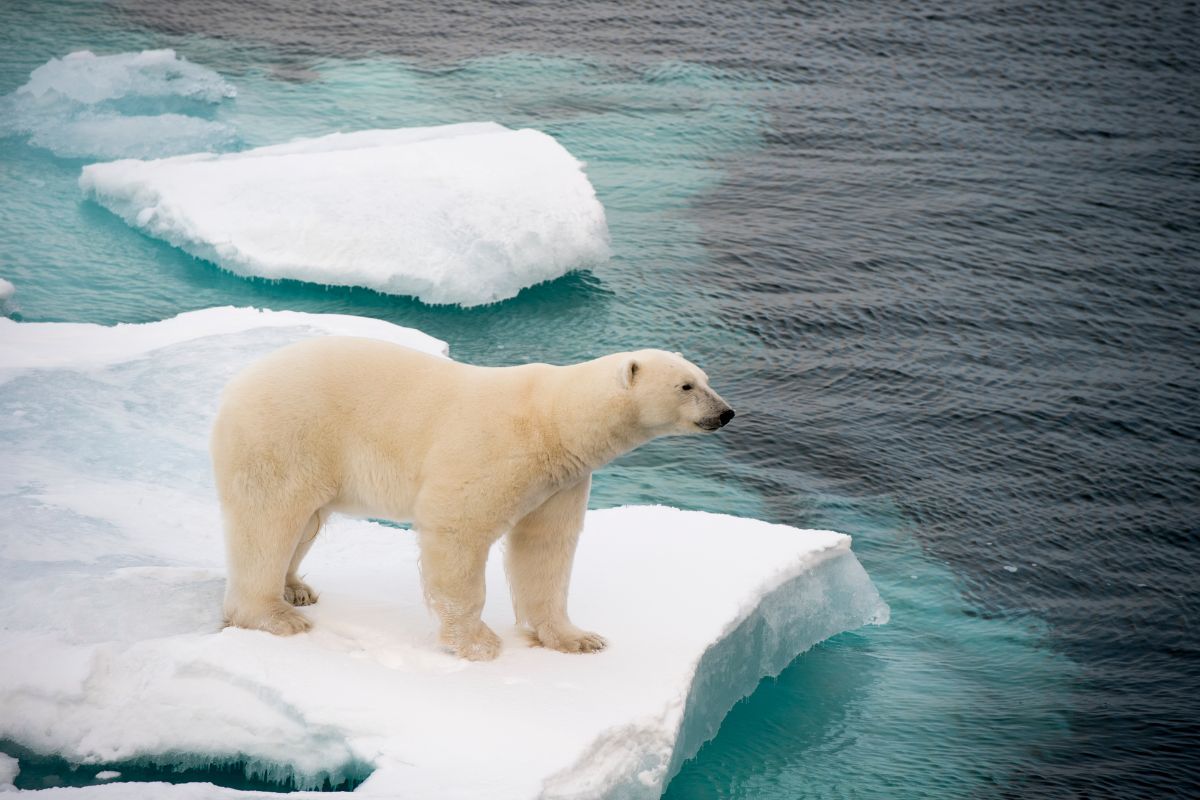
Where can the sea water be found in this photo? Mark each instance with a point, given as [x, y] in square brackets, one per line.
[941, 258]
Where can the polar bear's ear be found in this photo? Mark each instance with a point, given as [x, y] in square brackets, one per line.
[629, 370]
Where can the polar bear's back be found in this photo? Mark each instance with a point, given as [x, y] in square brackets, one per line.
[337, 374]
[369, 427]
[310, 406]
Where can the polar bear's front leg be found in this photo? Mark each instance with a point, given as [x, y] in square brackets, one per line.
[453, 575]
[538, 557]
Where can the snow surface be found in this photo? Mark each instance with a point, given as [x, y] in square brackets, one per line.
[118, 106]
[111, 576]
[456, 214]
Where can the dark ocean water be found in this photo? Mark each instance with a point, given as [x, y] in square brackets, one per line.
[943, 257]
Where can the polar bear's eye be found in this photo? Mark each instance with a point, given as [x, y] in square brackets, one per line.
[687, 387]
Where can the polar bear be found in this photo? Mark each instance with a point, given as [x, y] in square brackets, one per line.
[467, 454]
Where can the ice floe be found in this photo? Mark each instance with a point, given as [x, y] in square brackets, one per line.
[111, 574]
[126, 105]
[457, 214]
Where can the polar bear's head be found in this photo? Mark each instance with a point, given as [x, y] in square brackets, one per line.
[671, 394]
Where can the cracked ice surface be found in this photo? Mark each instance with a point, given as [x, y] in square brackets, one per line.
[111, 575]
[455, 214]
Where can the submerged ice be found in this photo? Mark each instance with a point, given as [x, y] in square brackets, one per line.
[127, 105]
[111, 576]
[456, 214]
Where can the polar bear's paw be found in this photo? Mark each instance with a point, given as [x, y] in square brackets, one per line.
[299, 593]
[483, 645]
[286, 623]
[280, 619]
[568, 639]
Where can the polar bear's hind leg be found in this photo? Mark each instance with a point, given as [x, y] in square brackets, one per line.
[295, 590]
[262, 552]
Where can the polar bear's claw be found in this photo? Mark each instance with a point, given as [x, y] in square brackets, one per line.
[299, 594]
[568, 640]
[591, 642]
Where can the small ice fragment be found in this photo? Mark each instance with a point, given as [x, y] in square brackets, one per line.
[7, 290]
[107, 775]
[1009, 568]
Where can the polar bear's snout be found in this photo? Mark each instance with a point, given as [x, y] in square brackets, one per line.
[719, 414]
[717, 421]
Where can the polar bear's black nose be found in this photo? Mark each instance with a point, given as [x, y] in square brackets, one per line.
[726, 415]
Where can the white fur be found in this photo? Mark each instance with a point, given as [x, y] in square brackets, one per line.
[467, 454]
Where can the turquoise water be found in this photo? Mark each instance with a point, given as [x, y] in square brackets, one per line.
[909, 400]
[946, 700]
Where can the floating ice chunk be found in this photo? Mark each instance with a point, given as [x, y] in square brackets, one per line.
[466, 214]
[118, 106]
[90, 79]
[107, 775]
[110, 583]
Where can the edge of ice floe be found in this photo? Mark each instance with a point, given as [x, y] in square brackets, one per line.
[723, 676]
[785, 636]
[34, 345]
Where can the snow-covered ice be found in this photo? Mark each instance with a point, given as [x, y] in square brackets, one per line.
[455, 214]
[111, 574]
[126, 105]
